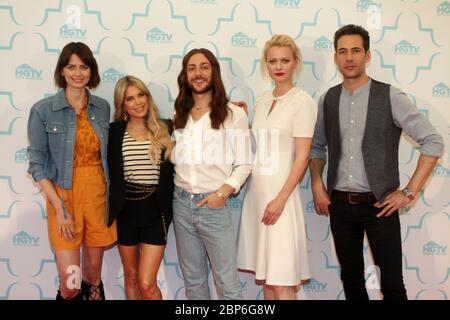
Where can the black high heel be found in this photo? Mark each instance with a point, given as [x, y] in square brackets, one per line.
[92, 292]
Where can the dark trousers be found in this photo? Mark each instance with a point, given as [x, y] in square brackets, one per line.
[348, 224]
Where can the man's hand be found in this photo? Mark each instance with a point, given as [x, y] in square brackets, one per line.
[241, 104]
[321, 199]
[391, 203]
[213, 201]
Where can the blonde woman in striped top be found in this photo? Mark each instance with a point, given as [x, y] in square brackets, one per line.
[141, 185]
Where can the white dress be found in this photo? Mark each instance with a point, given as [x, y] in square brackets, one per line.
[277, 253]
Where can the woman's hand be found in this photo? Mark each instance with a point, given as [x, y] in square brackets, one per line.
[273, 211]
[66, 227]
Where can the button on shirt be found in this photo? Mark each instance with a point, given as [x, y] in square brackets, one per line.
[351, 174]
[205, 158]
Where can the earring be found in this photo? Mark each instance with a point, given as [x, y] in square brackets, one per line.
[125, 116]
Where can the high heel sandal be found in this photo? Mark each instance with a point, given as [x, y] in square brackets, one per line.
[92, 292]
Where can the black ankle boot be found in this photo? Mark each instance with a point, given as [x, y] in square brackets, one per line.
[91, 292]
[59, 296]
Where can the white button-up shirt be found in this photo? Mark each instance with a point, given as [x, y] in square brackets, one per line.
[206, 158]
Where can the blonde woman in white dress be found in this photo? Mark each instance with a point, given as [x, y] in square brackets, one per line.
[272, 238]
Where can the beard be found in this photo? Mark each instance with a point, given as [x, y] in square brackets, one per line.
[205, 89]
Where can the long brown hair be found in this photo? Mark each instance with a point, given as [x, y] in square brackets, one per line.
[158, 132]
[184, 101]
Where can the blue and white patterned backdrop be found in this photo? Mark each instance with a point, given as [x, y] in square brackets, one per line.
[148, 38]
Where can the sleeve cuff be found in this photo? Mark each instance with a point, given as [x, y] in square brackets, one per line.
[314, 154]
[431, 153]
[37, 175]
[234, 183]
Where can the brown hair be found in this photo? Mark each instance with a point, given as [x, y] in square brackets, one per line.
[85, 54]
[184, 101]
[158, 132]
[349, 30]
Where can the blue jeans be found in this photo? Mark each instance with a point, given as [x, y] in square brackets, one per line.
[202, 233]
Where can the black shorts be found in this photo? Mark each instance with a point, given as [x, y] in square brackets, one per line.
[141, 221]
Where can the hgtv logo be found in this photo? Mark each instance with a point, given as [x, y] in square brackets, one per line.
[21, 156]
[69, 31]
[242, 40]
[156, 35]
[323, 44]
[406, 48]
[24, 239]
[441, 90]
[111, 75]
[289, 4]
[443, 9]
[431, 248]
[441, 171]
[365, 5]
[315, 286]
[26, 72]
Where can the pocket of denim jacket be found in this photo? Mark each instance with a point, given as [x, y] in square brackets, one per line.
[56, 135]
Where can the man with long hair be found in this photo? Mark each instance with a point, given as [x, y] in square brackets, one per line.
[208, 169]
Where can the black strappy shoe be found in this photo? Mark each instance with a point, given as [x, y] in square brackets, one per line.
[92, 292]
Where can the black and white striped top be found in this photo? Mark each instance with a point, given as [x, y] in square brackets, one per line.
[137, 167]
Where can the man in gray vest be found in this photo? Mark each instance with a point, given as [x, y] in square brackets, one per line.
[360, 121]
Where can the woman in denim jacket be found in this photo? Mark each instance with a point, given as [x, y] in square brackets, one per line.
[68, 134]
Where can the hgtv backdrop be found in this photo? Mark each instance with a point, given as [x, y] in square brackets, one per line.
[410, 47]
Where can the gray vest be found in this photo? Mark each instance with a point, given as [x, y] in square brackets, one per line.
[380, 141]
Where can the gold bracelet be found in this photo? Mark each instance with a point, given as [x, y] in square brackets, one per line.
[221, 195]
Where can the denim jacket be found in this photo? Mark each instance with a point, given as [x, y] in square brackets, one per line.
[51, 132]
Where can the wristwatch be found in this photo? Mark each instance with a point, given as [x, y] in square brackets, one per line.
[220, 194]
[408, 193]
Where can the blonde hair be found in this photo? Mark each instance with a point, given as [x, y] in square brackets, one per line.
[158, 132]
[280, 40]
